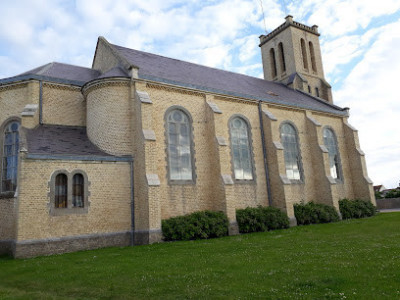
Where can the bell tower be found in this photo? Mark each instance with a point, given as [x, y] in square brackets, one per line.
[291, 55]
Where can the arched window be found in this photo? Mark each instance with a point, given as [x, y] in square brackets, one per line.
[313, 64]
[304, 53]
[274, 71]
[9, 159]
[78, 190]
[334, 159]
[282, 57]
[240, 146]
[179, 145]
[291, 150]
[61, 191]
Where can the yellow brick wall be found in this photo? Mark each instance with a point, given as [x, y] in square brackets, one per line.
[108, 116]
[63, 105]
[109, 209]
[7, 218]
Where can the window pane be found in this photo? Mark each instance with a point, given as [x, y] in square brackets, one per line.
[179, 146]
[291, 151]
[240, 149]
[77, 190]
[10, 157]
[60, 191]
[330, 144]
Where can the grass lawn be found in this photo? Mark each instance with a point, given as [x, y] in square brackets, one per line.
[357, 259]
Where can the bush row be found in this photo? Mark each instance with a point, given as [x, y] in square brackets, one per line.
[210, 224]
[198, 225]
[256, 219]
[314, 213]
[356, 208]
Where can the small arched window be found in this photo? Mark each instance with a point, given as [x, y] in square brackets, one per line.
[9, 161]
[313, 63]
[282, 57]
[272, 58]
[304, 53]
[240, 146]
[61, 191]
[179, 145]
[334, 159]
[291, 151]
[78, 185]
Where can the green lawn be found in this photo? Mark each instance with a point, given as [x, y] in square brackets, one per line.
[357, 259]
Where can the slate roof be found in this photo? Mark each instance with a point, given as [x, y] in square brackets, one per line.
[57, 72]
[61, 140]
[186, 74]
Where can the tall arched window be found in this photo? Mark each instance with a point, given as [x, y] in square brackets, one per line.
[304, 53]
[334, 159]
[240, 146]
[77, 190]
[313, 63]
[9, 159]
[272, 58]
[61, 191]
[179, 145]
[291, 150]
[282, 57]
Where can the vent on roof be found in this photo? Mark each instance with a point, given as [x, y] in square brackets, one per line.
[272, 93]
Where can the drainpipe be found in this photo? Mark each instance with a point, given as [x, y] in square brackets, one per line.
[132, 207]
[264, 154]
[40, 102]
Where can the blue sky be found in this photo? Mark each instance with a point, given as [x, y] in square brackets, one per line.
[360, 42]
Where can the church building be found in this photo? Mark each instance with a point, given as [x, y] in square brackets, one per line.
[98, 157]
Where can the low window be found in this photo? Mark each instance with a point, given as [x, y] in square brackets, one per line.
[61, 193]
[240, 146]
[291, 150]
[68, 193]
[77, 190]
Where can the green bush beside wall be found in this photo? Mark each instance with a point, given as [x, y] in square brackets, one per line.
[314, 213]
[198, 225]
[256, 219]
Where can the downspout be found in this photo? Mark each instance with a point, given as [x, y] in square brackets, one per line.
[264, 154]
[40, 102]
[132, 206]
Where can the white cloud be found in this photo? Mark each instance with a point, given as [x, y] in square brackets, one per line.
[372, 93]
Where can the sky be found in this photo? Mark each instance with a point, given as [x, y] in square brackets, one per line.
[360, 42]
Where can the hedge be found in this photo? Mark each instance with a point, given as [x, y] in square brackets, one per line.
[314, 213]
[256, 219]
[356, 208]
[198, 225]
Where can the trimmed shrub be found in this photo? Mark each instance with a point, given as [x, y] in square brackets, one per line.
[356, 208]
[199, 225]
[314, 213]
[256, 219]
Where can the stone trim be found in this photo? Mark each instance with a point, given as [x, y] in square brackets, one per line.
[32, 248]
[323, 148]
[214, 107]
[360, 151]
[284, 179]
[312, 120]
[278, 145]
[153, 179]
[29, 110]
[149, 135]
[61, 86]
[269, 115]
[221, 141]
[227, 179]
[351, 127]
[145, 237]
[144, 97]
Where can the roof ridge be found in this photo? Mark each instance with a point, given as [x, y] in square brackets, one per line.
[197, 64]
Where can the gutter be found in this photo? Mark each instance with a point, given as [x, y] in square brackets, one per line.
[40, 102]
[132, 206]
[265, 154]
